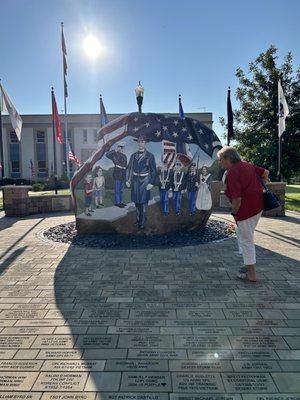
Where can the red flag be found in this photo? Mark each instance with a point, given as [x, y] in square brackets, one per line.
[56, 119]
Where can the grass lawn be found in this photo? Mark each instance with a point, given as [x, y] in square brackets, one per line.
[292, 197]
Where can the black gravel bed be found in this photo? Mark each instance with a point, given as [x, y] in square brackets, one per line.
[213, 231]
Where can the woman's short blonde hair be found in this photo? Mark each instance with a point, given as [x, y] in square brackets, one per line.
[230, 153]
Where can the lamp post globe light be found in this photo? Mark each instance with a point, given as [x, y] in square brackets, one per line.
[139, 93]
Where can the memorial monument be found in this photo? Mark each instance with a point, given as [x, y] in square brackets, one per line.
[151, 174]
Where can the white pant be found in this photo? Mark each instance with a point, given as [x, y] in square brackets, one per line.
[245, 237]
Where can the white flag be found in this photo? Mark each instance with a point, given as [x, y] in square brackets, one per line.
[8, 107]
[283, 110]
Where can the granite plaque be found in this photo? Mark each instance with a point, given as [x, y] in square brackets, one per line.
[97, 341]
[201, 342]
[68, 396]
[162, 354]
[279, 396]
[20, 365]
[7, 354]
[20, 395]
[132, 330]
[249, 382]
[258, 342]
[60, 354]
[30, 330]
[132, 396]
[103, 381]
[287, 382]
[136, 365]
[200, 365]
[22, 314]
[215, 354]
[18, 381]
[16, 342]
[149, 314]
[261, 365]
[73, 365]
[200, 314]
[203, 396]
[53, 341]
[197, 383]
[145, 341]
[60, 381]
[146, 382]
[255, 354]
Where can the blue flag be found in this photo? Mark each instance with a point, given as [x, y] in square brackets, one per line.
[181, 112]
[103, 115]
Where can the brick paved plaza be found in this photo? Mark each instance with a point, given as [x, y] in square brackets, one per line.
[148, 324]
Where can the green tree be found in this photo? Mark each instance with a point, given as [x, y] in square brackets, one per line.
[256, 119]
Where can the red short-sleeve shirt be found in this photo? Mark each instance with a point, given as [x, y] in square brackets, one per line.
[243, 181]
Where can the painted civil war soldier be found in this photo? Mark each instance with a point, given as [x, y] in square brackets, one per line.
[120, 161]
[141, 176]
[192, 184]
[178, 186]
[164, 185]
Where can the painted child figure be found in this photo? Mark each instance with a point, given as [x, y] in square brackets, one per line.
[88, 195]
[204, 201]
[178, 186]
[99, 186]
[164, 184]
[192, 187]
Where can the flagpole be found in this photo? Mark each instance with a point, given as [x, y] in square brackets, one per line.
[1, 137]
[54, 142]
[65, 104]
[279, 141]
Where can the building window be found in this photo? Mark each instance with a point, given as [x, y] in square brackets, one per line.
[95, 136]
[41, 154]
[14, 152]
[85, 136]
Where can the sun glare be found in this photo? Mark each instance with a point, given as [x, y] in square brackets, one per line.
[92, 46]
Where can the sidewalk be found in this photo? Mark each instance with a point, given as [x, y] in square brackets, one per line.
[148, 324]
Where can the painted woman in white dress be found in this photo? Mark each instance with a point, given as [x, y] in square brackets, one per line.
[204, 201]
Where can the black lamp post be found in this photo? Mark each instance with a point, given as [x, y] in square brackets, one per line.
[139, 93]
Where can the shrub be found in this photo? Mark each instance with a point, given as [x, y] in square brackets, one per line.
[38, 187]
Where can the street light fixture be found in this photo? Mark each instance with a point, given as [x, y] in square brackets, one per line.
[139, 93]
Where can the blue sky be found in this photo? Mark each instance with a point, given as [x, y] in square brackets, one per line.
[192, 47]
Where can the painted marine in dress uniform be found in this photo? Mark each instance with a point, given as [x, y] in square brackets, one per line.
[141, 176]
[178, 186]
[192, 187]
[164, 184]
[120, 160]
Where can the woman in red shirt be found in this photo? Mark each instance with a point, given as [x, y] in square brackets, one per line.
[245, 192]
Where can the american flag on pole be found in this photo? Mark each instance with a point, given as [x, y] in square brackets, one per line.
[65, 65]
[72, 156]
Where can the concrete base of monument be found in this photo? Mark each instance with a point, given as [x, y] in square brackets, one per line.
[122, 220]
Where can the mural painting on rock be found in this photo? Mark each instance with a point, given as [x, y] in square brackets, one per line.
[151, 174]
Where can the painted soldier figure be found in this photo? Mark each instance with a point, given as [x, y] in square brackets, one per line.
[120, 160]
[178, 186]
[141, 176]
[164, 184]
[192, 187]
